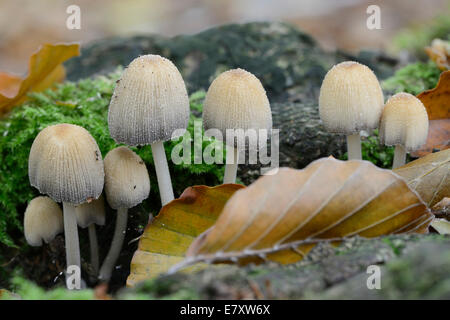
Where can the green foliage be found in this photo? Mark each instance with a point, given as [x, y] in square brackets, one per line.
[416, 38]
[84, 103]
[414, 78]
[27, 290]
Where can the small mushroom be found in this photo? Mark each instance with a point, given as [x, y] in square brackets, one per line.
[350, 100]
[126, 184]
[88, 215]
[63, 164]
[404, 123]
[236, 99]
[150, 103]
[43, 221]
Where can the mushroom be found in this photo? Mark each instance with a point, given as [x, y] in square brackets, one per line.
[149, 103]
[43, 221]
[350, 100]
[88, 215]
[404, 123]
[126, 184]
[235, 100]
[65, 163]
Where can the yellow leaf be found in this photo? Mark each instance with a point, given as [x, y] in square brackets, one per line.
[429, 176]
[441, 225]
[281, 217]
[45, 68]
[167, 237]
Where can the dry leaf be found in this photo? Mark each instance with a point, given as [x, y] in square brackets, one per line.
[429, 176]
[283, 216]
[167, 237]
[45, 68]
[441, 225]
[437, 103]
[439, 52]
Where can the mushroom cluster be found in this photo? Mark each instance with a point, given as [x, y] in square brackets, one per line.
[351, 100]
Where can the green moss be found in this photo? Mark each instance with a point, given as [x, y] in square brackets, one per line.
[373, 151]
[414, 78]
[27, 290]
[84, 103]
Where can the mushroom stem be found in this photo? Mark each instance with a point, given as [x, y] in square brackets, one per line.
[354, 146]
[231, 168]
[71, 235]
[162, 172]
[399, 156]
[93, 244]
[116, 245]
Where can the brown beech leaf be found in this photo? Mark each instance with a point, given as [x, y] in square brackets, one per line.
[283, 216]
[429, 176]
[167, 237]
[437, 103]
[45, 68]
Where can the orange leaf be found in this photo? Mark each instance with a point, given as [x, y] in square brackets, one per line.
[437, 103]
[45, 68]
[281, 217]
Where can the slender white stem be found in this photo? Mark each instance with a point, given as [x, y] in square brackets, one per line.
[71, 236]
[162, 172]
[93, 243]
[116, 245]
[354, 147]
[231, 166]
[399, 156]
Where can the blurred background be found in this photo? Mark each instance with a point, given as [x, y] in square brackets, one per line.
[25, 24]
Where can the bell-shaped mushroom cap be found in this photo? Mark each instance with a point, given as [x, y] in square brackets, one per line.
[91, 212]
[350, 99]
[404, 122]
[150, 101]
[126, 178]
[236, 99]
[66, 164]
[43, 221]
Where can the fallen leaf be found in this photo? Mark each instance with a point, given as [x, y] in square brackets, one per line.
[441, 225]
[167, 237]
[439, 52]
[45, 68]
[429, 176]
[437, 103]
[283, 216]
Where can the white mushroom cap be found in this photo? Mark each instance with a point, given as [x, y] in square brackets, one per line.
[126, 178]
[150, 101]
[91, 212]
[66, 164]
[350, 99]
[43, 221]
[236, 99]
[404, 122]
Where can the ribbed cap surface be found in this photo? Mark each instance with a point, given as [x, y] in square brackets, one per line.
[150, 101]
[66, 164]
[350, 99]
[126, 178]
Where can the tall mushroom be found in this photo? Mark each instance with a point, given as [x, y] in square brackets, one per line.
[126, 184]
[235, 100]
[149, 103]
[65, 163]
[43, 220]
[350, 100]
[88, 215]
[404, 123]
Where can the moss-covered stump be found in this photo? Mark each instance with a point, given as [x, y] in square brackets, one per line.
[413, 266]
